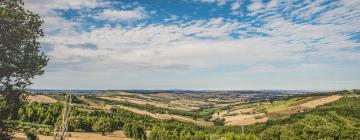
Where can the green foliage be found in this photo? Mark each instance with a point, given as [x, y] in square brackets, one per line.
[103, 125]
[187, 133]
[61, 97]
[234, 136]
[20, 56]
[40, 113]
[338, 120]
[134, 130]
[151, 108]
[218, 121]
[31, 135]
[34, 127]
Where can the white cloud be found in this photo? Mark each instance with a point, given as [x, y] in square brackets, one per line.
[52, 21]
[273, 3]
[207, 42]
[256, 5]
[235, 6]
[170, 46]
[308, 10]
[294, 68]
[202, 44]
[218, 2]
[113, 15]
[41, 5]
[172, 17]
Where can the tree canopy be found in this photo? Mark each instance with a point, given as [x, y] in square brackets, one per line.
[20, 56]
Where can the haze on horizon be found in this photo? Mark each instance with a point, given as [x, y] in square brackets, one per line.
[200, 44]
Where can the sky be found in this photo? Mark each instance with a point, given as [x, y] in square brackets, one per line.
[200, 44]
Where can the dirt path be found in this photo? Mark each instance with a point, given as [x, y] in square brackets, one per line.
[117, 135]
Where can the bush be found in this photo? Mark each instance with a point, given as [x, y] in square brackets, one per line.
[31, 135]
[135, 131]
[103, 125]
[218, 121]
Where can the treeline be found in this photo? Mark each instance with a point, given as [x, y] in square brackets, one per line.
[338, 120]
[61, 97]
[88, 121]
[153, 109]
[40, 113]
[43, 116]
[178, 131]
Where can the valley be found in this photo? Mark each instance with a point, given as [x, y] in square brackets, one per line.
[207, 110]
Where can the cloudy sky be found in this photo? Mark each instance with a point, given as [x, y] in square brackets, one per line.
[200, 44]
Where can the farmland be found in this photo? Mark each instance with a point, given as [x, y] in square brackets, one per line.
[203, 113]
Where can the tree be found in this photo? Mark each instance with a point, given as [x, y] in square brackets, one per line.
[103, 125]
[139, 132]
[3, 108]
[20, 55]
[128, 130]
[218, 121]
[31, 135]
[135, 131]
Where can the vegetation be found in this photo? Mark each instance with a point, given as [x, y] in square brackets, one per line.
[20, 57]
[339, 120]
[21, 60]
[103, 125]
[153, 109]
[31, 135]
[134, 130]
[219, 121]
[40, 113]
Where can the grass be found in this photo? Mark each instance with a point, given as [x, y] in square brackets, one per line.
[308, 99]
[282, 105]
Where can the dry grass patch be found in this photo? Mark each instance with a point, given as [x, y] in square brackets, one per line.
[320, 101]
[40, 99]
[245, 119]
[165, 95]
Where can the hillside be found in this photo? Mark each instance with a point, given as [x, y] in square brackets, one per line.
[154, 116]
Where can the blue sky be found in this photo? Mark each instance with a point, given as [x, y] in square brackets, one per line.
[200, 44]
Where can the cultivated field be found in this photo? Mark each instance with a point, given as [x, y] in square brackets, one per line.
[198, 109]
[246, 114]
[319, 102]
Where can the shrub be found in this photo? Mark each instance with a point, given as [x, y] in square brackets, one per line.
[31, 135]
